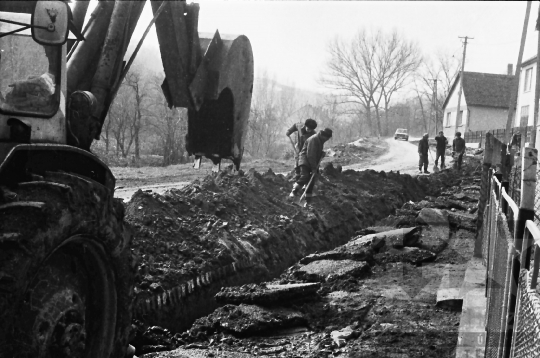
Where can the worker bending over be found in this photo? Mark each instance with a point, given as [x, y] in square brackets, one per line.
[310, 158]
[304, 131]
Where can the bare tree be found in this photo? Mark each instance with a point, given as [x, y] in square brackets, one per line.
[169, 125]
[135, 80]
[396, 61]
[120, 116]
[444, 69]
[350, 72]
[271, 105]
[369, 69]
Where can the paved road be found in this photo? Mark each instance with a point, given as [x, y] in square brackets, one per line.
[402, 156]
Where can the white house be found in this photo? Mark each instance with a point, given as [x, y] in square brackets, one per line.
[525, 103]
[484, 103]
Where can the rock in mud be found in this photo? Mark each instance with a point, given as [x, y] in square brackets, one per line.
[352, 252]
[341, 337]
[437, 234]
[463, 221]
[245, 320]
[393, 238]
[268, 294]
[329, 270]
[413, 255]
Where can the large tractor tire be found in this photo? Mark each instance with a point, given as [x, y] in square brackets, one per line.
[66, 280]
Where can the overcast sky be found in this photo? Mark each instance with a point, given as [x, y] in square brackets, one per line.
[289, 38]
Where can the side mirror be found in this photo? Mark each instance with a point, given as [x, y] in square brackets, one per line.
[50, 22]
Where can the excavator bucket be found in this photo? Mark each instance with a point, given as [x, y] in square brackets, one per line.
[211, 76]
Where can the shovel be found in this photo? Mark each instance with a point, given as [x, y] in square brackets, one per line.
[302, 201]
[293, 146]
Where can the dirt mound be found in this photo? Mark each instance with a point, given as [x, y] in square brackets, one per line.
[355, 152]
[231, 221]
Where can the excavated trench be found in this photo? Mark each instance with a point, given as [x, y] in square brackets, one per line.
[237, 228]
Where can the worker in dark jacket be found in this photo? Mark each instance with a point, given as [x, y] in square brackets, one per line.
[304, 131]
[458, 147]
[441, 148]
[310, 157]
[423, 150]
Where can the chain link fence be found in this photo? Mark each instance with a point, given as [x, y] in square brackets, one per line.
[527, 324]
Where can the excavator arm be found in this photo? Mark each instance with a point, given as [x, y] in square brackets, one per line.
[211, 76]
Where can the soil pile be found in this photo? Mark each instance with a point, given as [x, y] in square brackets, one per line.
[355, 152]
[237, 219]
[389, 310]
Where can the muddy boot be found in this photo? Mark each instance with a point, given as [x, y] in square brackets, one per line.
[294, 191]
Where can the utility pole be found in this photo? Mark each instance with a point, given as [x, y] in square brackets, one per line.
[435, 106]
[461, 81]
[536, 91]
[515, 86]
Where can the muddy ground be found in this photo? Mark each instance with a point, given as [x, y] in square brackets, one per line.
[386, 308]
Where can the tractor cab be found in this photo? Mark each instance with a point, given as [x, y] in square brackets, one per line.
[32, 72]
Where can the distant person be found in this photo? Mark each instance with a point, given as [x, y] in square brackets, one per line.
[458, 147]
[304, 131]
[310, 157]
[423, 151]
[441, 148]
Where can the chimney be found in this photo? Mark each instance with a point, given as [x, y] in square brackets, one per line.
[510, 70]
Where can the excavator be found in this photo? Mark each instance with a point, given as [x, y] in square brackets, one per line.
[66, 269]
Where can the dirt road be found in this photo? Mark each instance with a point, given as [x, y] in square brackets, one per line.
[402, 156]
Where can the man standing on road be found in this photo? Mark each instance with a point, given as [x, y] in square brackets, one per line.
[304, 131]
[441, 148]
[458, 147]
[310, 157]
[423, 149]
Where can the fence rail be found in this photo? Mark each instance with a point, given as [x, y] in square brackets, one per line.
[479, 136]
[508, 237]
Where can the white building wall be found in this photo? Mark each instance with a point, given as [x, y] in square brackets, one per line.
[451, 107]
[526, 96]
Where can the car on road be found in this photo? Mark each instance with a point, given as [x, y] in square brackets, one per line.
[401, 134]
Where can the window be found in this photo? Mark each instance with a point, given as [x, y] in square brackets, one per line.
[29, 77]
[524, 115]
[448, 115]
[460, 119]
[528, 80]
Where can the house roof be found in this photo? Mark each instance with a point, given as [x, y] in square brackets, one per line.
[484, 89]
[529, 61]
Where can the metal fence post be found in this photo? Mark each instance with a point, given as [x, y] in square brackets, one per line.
[485, 185]
[528, 190]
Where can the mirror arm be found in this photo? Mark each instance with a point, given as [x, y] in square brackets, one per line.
[14, 31]
[23, 24]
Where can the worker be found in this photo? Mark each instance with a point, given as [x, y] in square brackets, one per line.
[304, 131]
[458, 147]
[442, 142]
[310, 157]
[423, 149]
